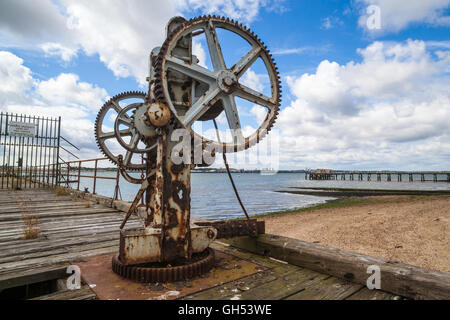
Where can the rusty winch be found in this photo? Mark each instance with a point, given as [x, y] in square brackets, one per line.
[146, 137]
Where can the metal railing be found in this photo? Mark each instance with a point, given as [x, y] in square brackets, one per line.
[77, 168]
[64, 174]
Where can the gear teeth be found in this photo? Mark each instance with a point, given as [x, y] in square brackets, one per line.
[100, 116]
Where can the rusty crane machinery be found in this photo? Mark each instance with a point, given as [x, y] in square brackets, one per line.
[169, 247]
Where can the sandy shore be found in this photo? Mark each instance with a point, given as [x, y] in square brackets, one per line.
[413, 230]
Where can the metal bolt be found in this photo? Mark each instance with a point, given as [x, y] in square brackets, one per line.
[210, 234]
[228, 81]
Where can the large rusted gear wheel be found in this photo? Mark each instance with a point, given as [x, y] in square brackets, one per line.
[116, 134]
[220, 86]
[167, 274]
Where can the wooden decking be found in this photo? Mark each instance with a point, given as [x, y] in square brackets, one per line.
[71, 230]
[286, 281]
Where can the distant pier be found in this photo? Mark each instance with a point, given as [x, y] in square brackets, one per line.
[399, 176]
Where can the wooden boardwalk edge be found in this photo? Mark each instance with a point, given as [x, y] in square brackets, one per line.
[398, 278]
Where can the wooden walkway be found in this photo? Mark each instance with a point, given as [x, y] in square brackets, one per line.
[73, 229]
[69, 230]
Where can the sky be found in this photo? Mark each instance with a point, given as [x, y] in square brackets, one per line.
[365, 82]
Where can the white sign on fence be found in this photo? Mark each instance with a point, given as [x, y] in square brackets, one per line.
[21, 129]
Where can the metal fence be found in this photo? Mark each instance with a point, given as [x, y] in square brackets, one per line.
[27, 143]
[30, 156]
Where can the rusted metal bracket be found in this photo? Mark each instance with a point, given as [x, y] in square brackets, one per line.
[236, 228]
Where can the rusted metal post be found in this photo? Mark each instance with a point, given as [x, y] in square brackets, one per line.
[176, 204]
[68, 174]
[116, 190]
[79, 172]
[95, 175]
[58, 141]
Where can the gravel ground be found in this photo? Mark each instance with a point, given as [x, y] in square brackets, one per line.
[400, 228]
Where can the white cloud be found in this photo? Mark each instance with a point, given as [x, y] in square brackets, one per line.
[245, 10]
[121, 33]
[331, 22]
[27, 23]
[15, 79]
[302, 50]
[56, 49]
[75, 101]
[66, 88]
[253, 80]
[397, 15]
[375, 113]
[199, 52]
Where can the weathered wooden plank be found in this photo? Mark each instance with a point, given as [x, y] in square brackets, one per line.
[56, 224]
[84, 293]
[52, 239]
[284, 286]
[29, 202]
[17, 278]
[57, 259]
[328, 289]
[398, 278]
[53, 252]
[231, 289]
[59, 214]
[72, 231]
[39, 254]
[46, 245]
[12, 209]
[50, 220]
[366, 294]
[245, 255]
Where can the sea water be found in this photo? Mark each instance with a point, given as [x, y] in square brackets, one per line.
[213, 198]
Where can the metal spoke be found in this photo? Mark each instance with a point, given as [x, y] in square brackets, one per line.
[116, 106]
[201, 106]
[126, 122]
[127, 158]
[134, 140]
[191, 70]
[254, 96]
[234, 123]
[215, 51]
[110, 135]
[246, 61]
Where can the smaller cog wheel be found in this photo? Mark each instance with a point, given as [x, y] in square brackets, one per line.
[107, 134]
